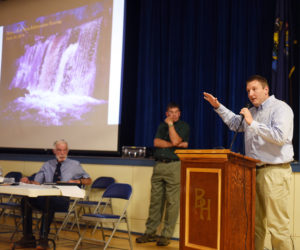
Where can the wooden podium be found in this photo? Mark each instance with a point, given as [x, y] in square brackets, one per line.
[217, 207]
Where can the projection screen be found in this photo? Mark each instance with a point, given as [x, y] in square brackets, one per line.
[61, 73]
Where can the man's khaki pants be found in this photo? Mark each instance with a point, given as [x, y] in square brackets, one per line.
[272, 199]
[165, 193]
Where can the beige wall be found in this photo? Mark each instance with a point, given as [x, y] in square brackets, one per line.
[139, 178]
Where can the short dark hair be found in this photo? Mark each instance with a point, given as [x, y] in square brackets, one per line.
[263, 81]
[172, 105]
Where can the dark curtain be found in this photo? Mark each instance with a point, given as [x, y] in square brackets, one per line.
[283, 64]
[285, 68]
[177, 49]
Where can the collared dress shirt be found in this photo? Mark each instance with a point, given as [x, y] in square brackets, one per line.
[70, 170]
[269, 137]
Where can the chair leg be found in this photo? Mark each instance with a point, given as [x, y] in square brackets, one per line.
[16, 229]
[95, 228]
[65, 221]
[61, 226]
[111, 236]
[102, 231]
[76, 221]
[73, 224]
[81, 236]
[2, 212]
[129, 234]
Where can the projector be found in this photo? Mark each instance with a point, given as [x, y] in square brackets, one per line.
[134, 152]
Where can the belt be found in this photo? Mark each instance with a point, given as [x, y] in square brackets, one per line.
[166, 160]
[273, 165]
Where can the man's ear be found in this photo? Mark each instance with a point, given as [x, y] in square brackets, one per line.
[267, 90]
[53, 150]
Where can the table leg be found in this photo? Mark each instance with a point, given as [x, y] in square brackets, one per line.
[46, 222]
[25, 219]
[46, 218]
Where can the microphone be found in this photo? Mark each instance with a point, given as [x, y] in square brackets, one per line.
[248, 105]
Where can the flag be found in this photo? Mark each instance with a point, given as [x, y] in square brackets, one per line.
[282, 55]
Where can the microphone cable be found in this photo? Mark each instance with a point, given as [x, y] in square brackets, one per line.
[248, 105]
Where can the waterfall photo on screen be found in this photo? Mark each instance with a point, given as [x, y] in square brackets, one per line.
[54, 78]
[56, 74]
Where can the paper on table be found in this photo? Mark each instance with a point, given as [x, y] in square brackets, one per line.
[71, 191]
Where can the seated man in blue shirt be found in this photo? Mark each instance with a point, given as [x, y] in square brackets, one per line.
[59, 169]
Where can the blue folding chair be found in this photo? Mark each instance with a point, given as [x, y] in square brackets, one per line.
[10, 204]
[31, 177]
[99, 185]
[16, 175]
[116, 191]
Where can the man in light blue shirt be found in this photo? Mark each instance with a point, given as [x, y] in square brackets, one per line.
[268, 128]
[60, 169]
[71, 171]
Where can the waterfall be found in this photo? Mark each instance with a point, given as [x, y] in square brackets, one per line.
[58, 74]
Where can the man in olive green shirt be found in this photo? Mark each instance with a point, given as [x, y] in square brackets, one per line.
[165, 182]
